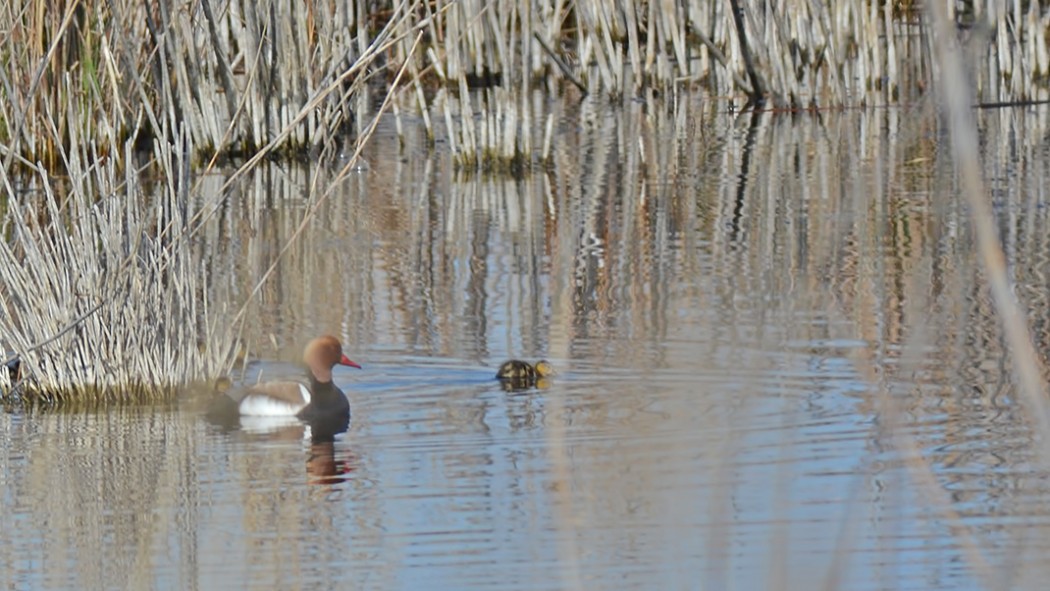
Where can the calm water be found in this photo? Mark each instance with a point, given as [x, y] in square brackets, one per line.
[714, 293]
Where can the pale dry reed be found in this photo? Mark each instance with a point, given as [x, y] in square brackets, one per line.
[96, 303]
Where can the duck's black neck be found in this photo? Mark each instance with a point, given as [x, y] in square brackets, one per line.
[327, 402]
[322, 389]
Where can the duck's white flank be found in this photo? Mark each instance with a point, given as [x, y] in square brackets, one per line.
[261, 405]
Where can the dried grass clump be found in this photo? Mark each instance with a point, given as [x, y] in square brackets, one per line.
[482, 62]
[236, 77]
[799, 53]
[101, 287]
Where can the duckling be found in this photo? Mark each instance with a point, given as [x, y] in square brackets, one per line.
[544, 369]
[522, 374]
[222, 385]
[13, 366]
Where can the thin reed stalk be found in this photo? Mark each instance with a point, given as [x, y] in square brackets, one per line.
[1028, 365]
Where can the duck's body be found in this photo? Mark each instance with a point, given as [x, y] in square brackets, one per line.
[524, 373]
[314, 399]
[304, 400]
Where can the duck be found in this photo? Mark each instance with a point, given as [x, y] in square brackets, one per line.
[516, 370]
[315, 399]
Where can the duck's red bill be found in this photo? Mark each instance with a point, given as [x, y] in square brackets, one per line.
[346, 361]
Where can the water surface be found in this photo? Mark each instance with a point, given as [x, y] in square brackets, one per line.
[778, 368]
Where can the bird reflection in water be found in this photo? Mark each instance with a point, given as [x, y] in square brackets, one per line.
[322, 467]
[322, 464]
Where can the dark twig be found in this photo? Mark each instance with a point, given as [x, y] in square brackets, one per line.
[18, 356]
[561, 65]
[225, 74]
[759, 88]
[722, 59]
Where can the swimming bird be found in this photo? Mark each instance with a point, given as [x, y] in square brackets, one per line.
[13, 367]
[12, 374]
[314, 399]
[522, 374]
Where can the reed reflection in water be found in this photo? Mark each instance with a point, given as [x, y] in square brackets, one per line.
[707, 288]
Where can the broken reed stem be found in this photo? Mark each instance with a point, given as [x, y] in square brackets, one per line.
[560, 64]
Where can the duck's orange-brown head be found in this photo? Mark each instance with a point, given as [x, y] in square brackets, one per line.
[324, 353]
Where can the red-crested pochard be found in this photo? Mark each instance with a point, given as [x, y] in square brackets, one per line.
[315, 400]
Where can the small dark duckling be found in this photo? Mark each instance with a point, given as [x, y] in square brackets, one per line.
[13, 366]
[521, 374]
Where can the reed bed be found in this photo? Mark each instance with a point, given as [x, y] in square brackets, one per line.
[236, 77]
[102, 295]
[99, 296]
[241, 76]
[488, 58]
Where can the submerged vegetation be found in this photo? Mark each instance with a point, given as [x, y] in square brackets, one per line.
[109, 111]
